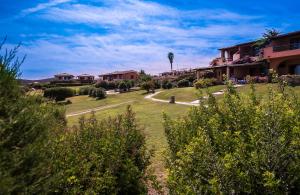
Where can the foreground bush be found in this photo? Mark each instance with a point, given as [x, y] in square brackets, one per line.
[98, 93]
[40, 155]
[27, 123]
[102, 157]
[238, 146]
[59, 93]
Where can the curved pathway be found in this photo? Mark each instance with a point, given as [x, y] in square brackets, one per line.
[193, 103]
[167, 101]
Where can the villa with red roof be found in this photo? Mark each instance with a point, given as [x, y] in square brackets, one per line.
[282, 54]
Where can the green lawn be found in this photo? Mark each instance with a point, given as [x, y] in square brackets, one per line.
[187, 94]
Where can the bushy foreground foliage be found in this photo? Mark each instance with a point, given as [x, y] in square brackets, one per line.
[59, 93]
[237, 146]
[103, 157]
[40, 155]
[26, 124]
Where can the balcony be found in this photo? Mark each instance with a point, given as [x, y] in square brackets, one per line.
[280, 51]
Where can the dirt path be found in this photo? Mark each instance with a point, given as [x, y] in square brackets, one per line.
[97, 109]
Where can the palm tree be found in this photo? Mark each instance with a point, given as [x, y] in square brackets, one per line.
[171, 58]
[266, 38]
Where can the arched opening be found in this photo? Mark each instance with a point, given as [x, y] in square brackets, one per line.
[290, 67]
[282, 68]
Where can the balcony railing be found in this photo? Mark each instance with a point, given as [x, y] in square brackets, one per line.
[291, 46]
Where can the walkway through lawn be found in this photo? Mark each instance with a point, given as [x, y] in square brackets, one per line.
[193, 103]
[97, 109]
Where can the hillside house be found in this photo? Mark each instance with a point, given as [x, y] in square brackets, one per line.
[120, 75]
[86, 78]
[64, 77]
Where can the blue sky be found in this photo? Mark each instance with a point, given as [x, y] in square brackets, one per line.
[100, 36]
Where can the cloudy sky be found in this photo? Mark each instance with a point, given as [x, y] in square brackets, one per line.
[99, 36]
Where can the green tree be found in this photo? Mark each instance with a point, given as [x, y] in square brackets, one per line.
[26, 125]
[148, 85]
[171, 59]
[266, 38]
[239, 145]
[40, 155]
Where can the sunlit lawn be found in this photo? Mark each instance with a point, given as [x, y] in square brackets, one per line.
[187, 94]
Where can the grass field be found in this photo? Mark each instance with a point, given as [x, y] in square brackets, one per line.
[149, 113]
[187, 94]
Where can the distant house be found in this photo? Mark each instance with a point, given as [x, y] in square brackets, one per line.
[86, 78]
[64, 77]
[282, 54]
[120, 75]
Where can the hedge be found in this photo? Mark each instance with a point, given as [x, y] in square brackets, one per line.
[59, 93]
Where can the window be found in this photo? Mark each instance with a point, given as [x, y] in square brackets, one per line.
[132, 77]
[295, 43]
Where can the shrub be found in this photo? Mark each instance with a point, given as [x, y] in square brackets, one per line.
[98, 93]
[273, 76]
[166, 84]
[148, 85]
[103, 157]
[292, 80]
[238, 145]
[59, 93]
[122, 86]
[102, 84]
[40, 155]
[26, 127]
[203, 83]
[183, 83]
[111, 85]
[84, 90]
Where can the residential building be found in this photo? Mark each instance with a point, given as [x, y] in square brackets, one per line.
[282, 54]
[64, 77]
[120, 75]
[86, 78]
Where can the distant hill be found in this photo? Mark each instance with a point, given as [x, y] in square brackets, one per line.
[26, 81]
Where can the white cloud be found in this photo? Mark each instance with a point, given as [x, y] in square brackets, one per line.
[43, 6]
[139, 36]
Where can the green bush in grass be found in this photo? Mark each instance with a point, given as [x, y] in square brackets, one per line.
[98, 93]
[102, 84]
[203, 83]
[59, 93]
[84, 90]
[183, 83]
